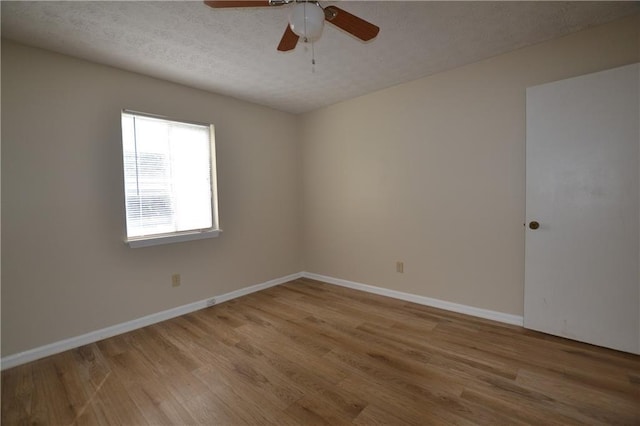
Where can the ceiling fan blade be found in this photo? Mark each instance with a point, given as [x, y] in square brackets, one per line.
[288, 41]
[237, 3]
[355, 26]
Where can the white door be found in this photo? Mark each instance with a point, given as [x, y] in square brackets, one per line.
[582, 264]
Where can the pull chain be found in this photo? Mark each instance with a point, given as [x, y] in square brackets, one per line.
[306, 40]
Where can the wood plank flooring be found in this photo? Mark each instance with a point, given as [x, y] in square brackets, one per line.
[308, 353]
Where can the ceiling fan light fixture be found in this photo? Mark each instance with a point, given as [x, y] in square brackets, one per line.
[307, 20]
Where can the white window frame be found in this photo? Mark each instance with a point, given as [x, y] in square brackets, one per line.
[181, 236]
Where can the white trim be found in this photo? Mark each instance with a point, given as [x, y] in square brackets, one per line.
[248, 290]
[94, 336]
[179, 237]
[422, 300]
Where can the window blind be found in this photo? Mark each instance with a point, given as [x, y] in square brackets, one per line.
[167, 175]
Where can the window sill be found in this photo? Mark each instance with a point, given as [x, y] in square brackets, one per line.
[157, 240]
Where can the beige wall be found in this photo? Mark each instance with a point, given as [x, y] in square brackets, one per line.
[65, 269]
[432, 173]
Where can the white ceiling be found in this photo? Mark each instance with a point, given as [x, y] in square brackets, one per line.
[233, 51]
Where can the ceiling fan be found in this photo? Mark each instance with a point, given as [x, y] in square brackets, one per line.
[307, 20]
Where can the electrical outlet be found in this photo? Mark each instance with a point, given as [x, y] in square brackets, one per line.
[175, 280]
[400, 267]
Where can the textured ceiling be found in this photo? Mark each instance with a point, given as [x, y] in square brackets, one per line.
[233, 51]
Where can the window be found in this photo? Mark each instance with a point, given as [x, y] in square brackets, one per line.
[169, 180]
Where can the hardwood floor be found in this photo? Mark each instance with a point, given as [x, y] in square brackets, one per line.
[312, 353]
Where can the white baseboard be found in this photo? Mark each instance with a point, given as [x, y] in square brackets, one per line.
[94, 336]
[422, 300]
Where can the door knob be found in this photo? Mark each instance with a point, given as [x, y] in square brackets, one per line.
[534, 225]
